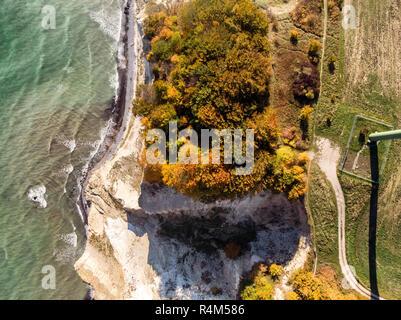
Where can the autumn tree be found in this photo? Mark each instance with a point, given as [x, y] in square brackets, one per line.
[261, 287]
[211, 65]
[275, 271]
[332, 63]
[306, 85]
[308, 287]
[314, 48]
[294, 34]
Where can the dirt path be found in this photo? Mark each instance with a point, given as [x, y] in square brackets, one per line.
[327, 159]
[325, 18]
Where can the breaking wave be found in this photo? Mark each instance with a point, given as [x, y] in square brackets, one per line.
[37, 194]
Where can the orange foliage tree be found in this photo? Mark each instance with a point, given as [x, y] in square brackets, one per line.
[211, 66]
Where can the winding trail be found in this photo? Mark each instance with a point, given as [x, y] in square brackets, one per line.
[327, 159]
[325, 19]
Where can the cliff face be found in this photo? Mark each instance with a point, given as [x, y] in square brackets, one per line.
[145, 241]
[114, 261]
[115, 258]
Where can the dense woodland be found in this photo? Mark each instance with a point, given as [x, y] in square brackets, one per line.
[212, 69]
[262, 280]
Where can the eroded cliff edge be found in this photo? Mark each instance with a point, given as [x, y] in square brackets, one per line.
[145, 241]
[170, 246]
[148, 242]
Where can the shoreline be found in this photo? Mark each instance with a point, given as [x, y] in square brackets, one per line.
[120, 107]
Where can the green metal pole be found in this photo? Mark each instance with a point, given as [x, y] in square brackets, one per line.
[387, 135]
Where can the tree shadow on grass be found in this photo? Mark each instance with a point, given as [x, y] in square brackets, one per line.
[374, 164]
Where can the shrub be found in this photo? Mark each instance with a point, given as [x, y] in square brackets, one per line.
[314, 47]
[363, 135]
[332, 63]
[329, 120]
[261, 287]
[308, 287]
[307, 16]
[260, 290]
[215, 291]
[305, 113]
[275, 271]
[294, 34]
[307, 83]
[292, 296]
[303, 158]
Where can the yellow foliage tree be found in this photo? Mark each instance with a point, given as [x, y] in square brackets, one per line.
[260, 289]
[292, 296]
[309, 287]
[275, 271]
[305, 113]
[294, 34]
[314, 47]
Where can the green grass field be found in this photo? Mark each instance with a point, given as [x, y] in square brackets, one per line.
[333, 120]
[323, 208]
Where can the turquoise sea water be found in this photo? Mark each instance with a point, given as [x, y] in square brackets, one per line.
[54, 88]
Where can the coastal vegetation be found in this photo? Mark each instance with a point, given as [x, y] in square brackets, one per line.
[263, 279]
[211, 62]
[260, 283]
[321, 287]
[307, 16]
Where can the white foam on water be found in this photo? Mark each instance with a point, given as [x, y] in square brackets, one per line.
[68, 169]
[114, 83]
[70, 238]
[110, 23]
[67, 254]
[61, 88]
[122, 60]
[70, 144]
[96, 145]
[37, 194]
